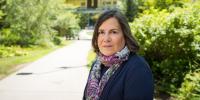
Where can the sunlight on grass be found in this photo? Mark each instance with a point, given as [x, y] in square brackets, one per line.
[7, 64]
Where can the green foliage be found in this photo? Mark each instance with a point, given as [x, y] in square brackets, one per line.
[170, 42]
[165, 4]
[67, 25]
[12, 51]
[33, 22]
[135, 7]
[7, 38]
[132, 10]
[84, 20]
[28, 19]
[57, 40]
[2, 13]
[87, 20]
[190, 88]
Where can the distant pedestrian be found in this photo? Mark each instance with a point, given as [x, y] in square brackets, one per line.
[118, 73]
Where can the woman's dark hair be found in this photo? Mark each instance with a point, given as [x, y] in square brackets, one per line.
[129, 39]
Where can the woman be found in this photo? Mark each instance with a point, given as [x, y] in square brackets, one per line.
[118, 72]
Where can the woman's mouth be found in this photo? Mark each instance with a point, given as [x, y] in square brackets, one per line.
[107, 46]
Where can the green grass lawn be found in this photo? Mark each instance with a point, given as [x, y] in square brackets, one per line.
[8, 64]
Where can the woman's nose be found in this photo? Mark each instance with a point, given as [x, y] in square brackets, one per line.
[107, 37]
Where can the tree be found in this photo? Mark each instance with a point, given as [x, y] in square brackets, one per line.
[95, 3]
[133, 7]
[2, 13]
[30, 21]
[89, 3]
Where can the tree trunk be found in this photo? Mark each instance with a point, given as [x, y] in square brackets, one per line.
[95, 3]
[89, 3]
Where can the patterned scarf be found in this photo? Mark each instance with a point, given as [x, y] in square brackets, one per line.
[95, 83]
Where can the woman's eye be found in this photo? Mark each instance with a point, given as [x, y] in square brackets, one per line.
[101, 32]
[114, 32]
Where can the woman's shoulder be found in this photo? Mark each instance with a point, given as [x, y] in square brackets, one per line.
[136, 59]
[138, 79]
[137, 67]
[136, 62]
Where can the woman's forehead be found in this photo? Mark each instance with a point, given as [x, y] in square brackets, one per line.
[111, 23]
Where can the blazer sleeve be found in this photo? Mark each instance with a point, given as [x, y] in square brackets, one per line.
[139, 81]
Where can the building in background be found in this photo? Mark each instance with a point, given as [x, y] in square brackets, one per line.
[108, 3]
[90, 8]
[77, 3]
[100, 4]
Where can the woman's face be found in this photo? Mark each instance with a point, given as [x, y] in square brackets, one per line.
[110, 38]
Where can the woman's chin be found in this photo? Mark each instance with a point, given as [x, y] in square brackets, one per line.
[107, 53]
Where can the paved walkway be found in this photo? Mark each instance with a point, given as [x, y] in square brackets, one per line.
[61, 75]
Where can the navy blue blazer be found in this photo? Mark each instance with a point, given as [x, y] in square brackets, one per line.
[133, 80]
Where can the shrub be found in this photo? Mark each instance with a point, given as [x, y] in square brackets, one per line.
[57, 40]
[67, 25]
[27, 29]
[170, 43]
[12, 51]
[84, 20]
[190, 88]
[8, 38]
